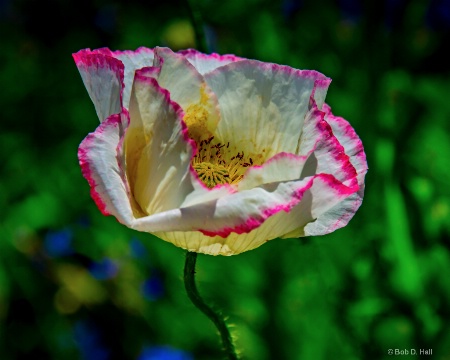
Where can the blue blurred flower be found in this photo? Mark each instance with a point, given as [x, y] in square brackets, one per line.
[290, 7]
[351, 10]
[138, 250]
[104, 269]
[438, 14]
[164, 353]
[84, 221]
[5, 8]
[153, 288]
[88, 340]
[58, 243]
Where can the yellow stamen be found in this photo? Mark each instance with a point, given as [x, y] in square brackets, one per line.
[199, 117]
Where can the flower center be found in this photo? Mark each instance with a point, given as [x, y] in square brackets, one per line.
[216, 164]
[212, 174]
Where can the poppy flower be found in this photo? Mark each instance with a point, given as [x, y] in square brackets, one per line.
[217, 154]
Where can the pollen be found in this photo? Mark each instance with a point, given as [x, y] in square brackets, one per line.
[199, 117]
[216, 163]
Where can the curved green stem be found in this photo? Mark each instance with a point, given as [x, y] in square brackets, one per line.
[216, 318]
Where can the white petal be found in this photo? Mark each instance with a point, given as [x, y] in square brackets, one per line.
[313, 196]
[103, 78]
[244, 211]
[100, 166]
[205, 63]
[334, 217]
[318, 138]
[238, 212]
[281, 167]
[132, 60]
[339, 215]
[320, 153]
[339, 152]
[263, 105]
[108, 76]
[321, 210]
[188, 89]
[157, 148]
[350, 141]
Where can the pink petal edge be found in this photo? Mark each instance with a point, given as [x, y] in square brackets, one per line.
[342, 129]
[337, 151]
[87, 58]
[113, 53]
[196, 53]
[83, 157]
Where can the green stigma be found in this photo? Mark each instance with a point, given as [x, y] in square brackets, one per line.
[212, 174]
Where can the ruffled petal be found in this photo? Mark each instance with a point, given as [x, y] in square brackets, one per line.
[260, 101]
[132, 60]
[157, 149]
[93, 66]
[281, 167]
[103, 78]
[350, 141]
[319, 152]
[237, 212]
[317, 138]
[339, 215]
[272, 222]
[344, 161]
[101, 167]
[188, 89]
[244, 211]
[334, 217]
[205, 63]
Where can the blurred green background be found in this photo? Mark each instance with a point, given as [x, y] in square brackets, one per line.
[77, 285]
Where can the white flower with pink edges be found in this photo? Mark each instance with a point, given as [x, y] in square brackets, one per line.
[217, 154]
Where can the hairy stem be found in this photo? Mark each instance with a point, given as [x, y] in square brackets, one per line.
[216, 318]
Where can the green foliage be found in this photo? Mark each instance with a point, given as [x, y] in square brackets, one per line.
[68, 274]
